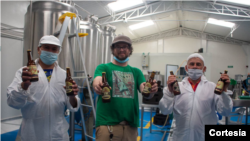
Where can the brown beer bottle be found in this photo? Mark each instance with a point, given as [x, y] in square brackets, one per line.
[220, 85]
[69, 83]
[175, 85]
[105, 89]
[148, 85]
[32, 67]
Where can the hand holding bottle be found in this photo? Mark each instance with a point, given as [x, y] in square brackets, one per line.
[98, 87]
[173, 85]
[71, 86]
[226, 79]
[222, 83]
[154, 88]
[26, 78]
[170, 82]
[29, 73]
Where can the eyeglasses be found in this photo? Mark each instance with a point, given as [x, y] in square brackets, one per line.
[121, 47]
[48, 48]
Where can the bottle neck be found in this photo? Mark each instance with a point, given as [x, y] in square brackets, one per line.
[29, 56]
[103, 78]
[152, 76]
[68, 73]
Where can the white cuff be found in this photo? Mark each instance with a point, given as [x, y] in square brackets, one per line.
[228, 92]
[167, 92]
[25, 93]
[70, 107]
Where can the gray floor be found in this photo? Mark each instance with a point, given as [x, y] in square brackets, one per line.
[10, 125]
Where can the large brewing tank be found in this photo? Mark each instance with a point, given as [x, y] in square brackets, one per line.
[108, 36]
[45, 16]
[91, 48]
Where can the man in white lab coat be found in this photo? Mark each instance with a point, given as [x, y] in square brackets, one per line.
[196, 105]
[42, 103]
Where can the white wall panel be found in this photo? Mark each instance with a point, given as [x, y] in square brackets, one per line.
[11, 61]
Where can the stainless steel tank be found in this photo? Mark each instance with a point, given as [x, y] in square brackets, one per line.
[108, 36]
[45, 16]
[90, 45]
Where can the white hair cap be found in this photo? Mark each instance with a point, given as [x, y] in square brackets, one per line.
[196, 55]
[50, 39]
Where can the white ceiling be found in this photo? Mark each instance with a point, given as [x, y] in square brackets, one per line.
[98, 8]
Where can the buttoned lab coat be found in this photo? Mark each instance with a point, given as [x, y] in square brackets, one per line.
[42, 106]
[193, 110]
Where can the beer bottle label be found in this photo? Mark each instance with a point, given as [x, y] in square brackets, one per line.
[220, 85]
[68, 87]
[33, 70]
[147, 88]
[176, 87]
[106, 93]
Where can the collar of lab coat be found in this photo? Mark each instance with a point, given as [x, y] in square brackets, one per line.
[188, 86]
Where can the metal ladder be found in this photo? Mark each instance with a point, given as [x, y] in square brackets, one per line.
[65, 19]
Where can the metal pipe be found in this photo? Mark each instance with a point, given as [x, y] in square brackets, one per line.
[31, 25]
[195, 20]
[11, 36]
[247, 115]
[151, 120]
[142, 111]
[86, 105]
[72, 126]
[10, 28]
[83, 9]
[191, 20]
[21, 39]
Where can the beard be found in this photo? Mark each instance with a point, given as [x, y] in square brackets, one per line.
[121, 58]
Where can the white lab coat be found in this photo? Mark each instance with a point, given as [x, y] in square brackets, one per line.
[193, 110]
[42, 106]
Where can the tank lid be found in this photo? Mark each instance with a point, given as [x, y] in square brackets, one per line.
[91, 19]
[109, 28]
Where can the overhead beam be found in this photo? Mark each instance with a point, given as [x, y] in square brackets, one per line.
[168, 6]
[179, 16]
[145, 3]
[156, 24]
[164, 34]
[215, 1]
[126, 26]
[220, 9]
[106, 8]
[143, 11]
[231, 32]
[190, 33]
[205, 25]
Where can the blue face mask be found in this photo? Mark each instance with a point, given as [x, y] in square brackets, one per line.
[48, 58]
[121, 61]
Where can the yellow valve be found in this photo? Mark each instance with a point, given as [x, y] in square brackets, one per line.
[68, 14]
[83, 34]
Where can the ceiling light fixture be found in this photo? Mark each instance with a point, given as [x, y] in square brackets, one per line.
[245, 2]
[141, 25]
[220, 23]
[122, 4]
